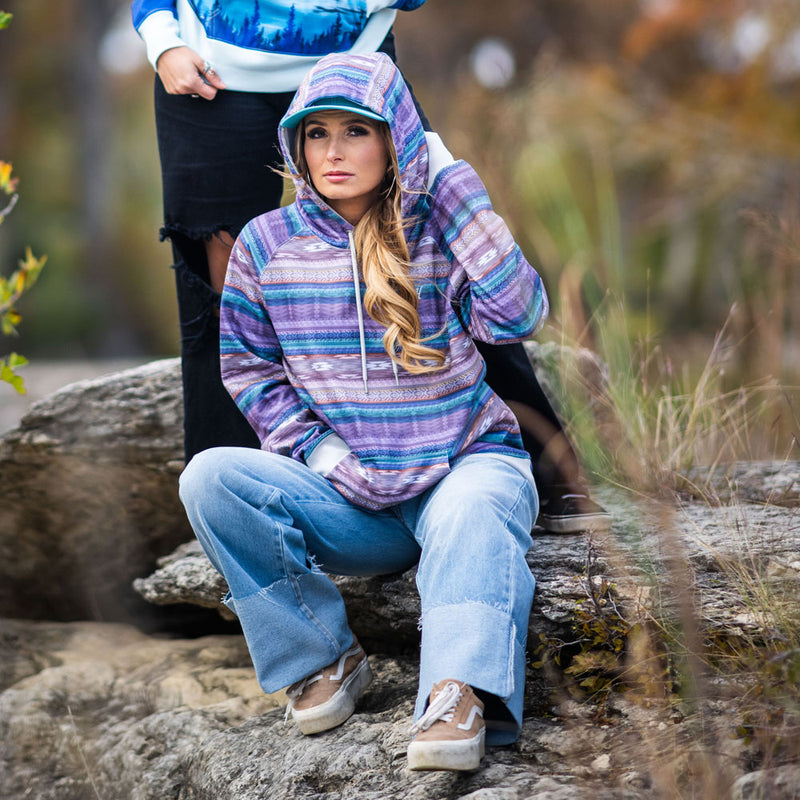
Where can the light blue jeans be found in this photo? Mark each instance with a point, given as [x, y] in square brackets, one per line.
[273, 528]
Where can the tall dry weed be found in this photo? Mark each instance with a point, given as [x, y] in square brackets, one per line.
[669, 240]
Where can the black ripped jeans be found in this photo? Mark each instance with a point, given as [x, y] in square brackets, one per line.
[216, 164]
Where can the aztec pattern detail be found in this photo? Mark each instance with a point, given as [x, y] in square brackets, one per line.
[290, 344]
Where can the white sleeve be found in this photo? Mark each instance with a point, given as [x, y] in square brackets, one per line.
[438, 156]
[327, 454]
[160, 32]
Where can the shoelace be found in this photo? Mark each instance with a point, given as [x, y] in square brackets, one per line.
[442, 706]
[296, 689]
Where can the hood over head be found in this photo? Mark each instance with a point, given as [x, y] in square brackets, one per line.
[328, 104]
[371, 84]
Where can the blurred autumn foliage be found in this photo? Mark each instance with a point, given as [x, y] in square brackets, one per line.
[644, 150]
[647, 153]
[82, 141]
[13, 287]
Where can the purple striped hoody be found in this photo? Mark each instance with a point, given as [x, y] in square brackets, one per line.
[306, 364]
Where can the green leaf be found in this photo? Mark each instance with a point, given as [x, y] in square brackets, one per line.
[9, 321]
[7, 375]
[5, 18]
[31, 265]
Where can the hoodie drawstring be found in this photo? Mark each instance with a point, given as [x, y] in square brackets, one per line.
[359, 310]
[357, 285]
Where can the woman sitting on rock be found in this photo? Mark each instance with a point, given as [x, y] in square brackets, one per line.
[347, 325]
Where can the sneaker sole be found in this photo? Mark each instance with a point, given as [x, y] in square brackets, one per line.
[340, 707]
[452, 755]
[590, 522]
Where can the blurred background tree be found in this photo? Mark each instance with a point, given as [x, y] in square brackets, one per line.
[649, 149]
[26, 274]
[76, 118]
[645, 150]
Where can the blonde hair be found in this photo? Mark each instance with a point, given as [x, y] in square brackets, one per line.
[391, 297]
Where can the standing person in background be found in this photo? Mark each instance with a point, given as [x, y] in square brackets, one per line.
[348, 323]
[224, 78]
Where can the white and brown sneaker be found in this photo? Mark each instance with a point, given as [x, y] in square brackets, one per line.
[328, 698]
[450, 734]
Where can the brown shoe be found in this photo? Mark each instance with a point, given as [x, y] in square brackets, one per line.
[328, 698]
[450, 734]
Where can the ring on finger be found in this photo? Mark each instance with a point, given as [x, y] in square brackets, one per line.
[207, 68]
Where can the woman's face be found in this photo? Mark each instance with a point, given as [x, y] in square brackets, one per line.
[347, 160]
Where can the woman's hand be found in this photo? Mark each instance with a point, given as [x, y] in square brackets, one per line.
[183, 71]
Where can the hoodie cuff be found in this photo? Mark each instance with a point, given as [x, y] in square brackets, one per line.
[327, 454]
[160, 32]
[439, 156]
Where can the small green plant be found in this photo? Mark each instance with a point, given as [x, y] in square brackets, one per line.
[595, 663]
[603, 633]
[13, 287]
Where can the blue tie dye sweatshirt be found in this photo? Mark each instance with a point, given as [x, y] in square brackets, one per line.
[265, 45]
[307, 365]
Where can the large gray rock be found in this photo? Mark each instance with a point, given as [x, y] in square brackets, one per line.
[89, 495]
[93, 709]
[89, 492]
[657, 557]
[772, 482]
[96, 710]
[89, 503]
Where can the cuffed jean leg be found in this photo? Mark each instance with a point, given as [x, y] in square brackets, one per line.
[270, 525]
[475, 586]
